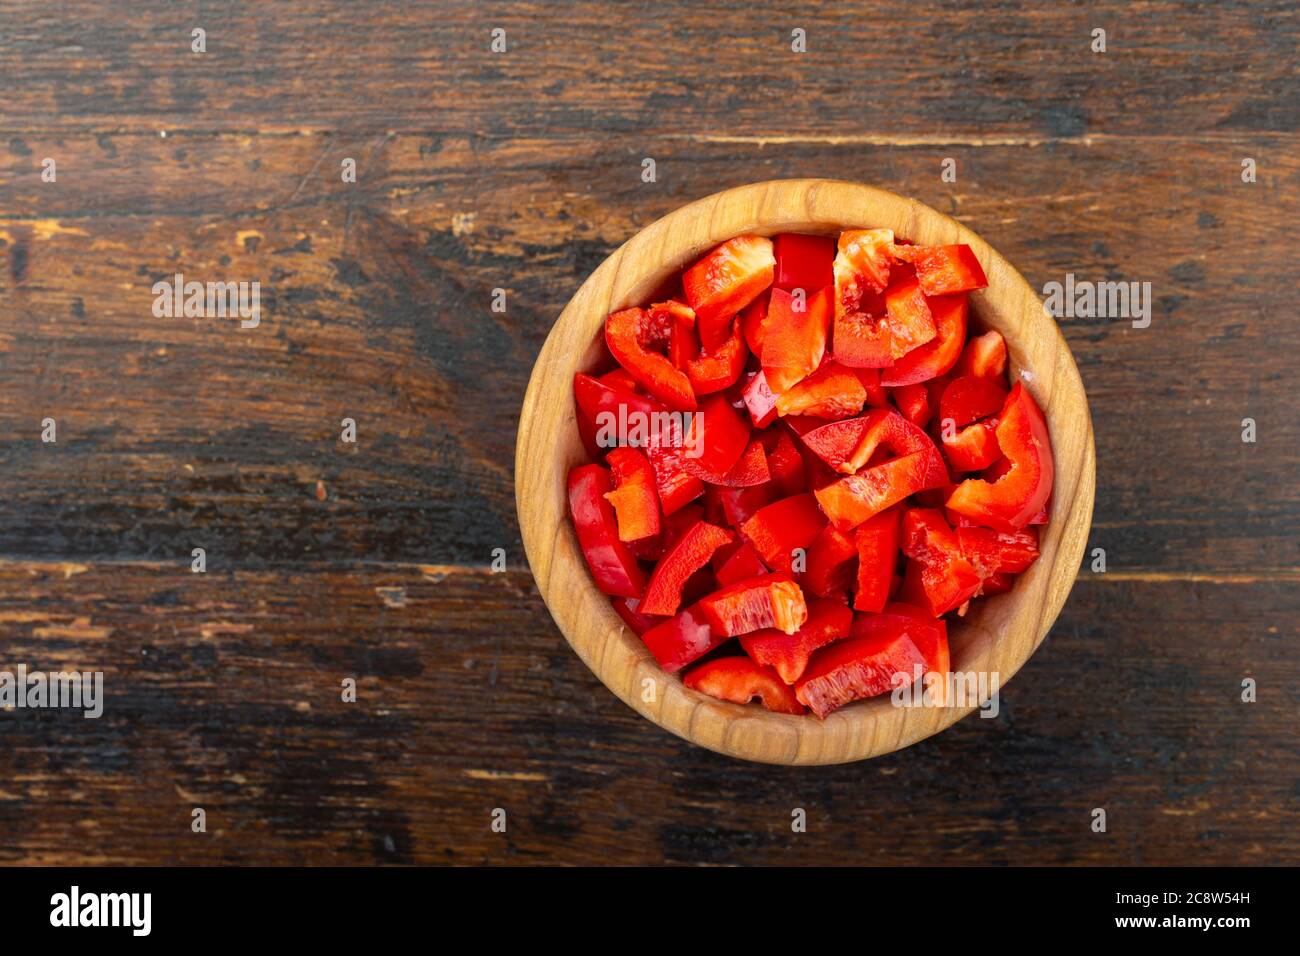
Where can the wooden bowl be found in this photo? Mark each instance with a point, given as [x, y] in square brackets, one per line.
[1000, 632]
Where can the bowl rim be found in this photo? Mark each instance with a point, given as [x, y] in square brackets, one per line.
[593, 629]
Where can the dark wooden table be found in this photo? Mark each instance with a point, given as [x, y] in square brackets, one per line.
[521, 171]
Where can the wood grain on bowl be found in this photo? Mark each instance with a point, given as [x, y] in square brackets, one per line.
[997, 637]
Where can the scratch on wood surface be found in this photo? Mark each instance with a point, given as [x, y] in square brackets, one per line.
[506, 775]
[392, 596]
[78, 628]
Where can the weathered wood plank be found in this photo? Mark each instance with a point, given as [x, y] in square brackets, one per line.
[223, 691]
[967, 69]
[176, 433]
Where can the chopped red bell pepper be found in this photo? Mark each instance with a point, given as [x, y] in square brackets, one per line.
[944, 270]
[736, 563]
[984, 356]
[719, 434]
[928, 634]
[828, 621]
[910, 323]
[715, 371]
[752, 318]
[877, 397]
[885, 428]
[913, 402]
[862, 263]
[877, 551]
[602, 406]
[635, 501]
[832, 442]
[854, 498]
[771, 600]
[794, 342]
[861, 337]
[751, 470]
[939, 577]
[776, 530]
[883, 652]
[739, 504]
[619, 378]
[832, 391]
[726, 280]
[654, 372]
[663, 595]
[739, 680]
[999, 582]
[973, 448]
[831, 562]
[682, 638]
[759, 400]
[1013, 499]
[629, 610]
[786, 465]
[804, 262]
[676, 486]
[612, 564]
[940, 354]
[992, 552]
[969, 397]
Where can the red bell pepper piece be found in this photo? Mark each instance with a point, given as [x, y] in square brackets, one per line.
[804, 262]
[828, 621]
[992, 552]
[602, 406]
[739, 504]
[680, 639]
[870, 379]
[692, 551]
[777, 529]
[885, 428]
[999, 582]
[973, 448]
[943, 270]
[635, 501]
[877, 551]
[750, 471]
[861, 337]
[832, 391]
[719, 434]
[928, 634]
[883, 652]
[1008, 503]
[683, 345]
[913, 402]
[794, 342]
[862, 263]
[759, 400]
[676, 486]
[737, 563]
[940, 354]
[739, 680]
[786, 466]
[832, 442]
[629, 610]
[910, 322]
[612, 564]
[752, 319]
[984, 356]
[714, 371]
[726, 280]
[653, 372]
[855, 498]
[831, 561]
[939, 577]
[620, 379]
[771, 600]
[969, 397]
